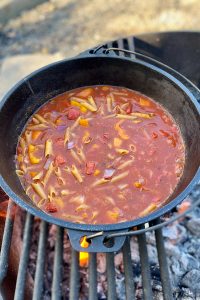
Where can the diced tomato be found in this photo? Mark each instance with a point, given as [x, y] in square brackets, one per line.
[172, 141]
[164, 133]
[51, 208]
[90, 167]
[59, 160]
[73, 114]
[154, 135]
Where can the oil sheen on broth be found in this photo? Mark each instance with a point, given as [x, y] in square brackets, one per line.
[100, 154]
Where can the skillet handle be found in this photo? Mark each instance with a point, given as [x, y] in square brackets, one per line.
[98, 243]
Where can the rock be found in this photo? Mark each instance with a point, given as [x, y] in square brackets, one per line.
[152, 253]
[175, 232]
[120, 288]
[188, 262]
[192, 280]
[194, 226]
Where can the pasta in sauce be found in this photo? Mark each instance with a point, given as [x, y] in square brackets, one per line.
[100, 155]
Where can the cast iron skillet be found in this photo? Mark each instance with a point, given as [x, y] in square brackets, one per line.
[105, 69]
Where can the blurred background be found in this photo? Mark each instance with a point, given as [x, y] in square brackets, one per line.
[36, 32]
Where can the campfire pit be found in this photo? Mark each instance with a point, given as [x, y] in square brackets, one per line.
[141, 268]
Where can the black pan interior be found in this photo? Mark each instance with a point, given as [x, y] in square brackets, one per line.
[43, 85]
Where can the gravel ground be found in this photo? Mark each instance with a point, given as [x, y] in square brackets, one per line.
[69, 26]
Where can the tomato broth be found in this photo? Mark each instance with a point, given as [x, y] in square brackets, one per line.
[100, 155]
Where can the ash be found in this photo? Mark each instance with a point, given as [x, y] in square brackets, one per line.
[182, 245]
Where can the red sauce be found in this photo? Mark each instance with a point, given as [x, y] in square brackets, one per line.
[100, 154]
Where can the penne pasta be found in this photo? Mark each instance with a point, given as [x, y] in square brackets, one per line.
[122, 186]
[109, 103]
[41, 203]
[39, 190]
[76, 123]
[110, 200]
[48, 148]
[35, 121]
[128, 117]
[23, 145]
[75, 172]
[51, 193]
[110, 116]
[48, 173]
[85, 104]
[61, 181]
[66, 192]
[81, 154]
[67, 135]
[142, 115]
[92, 102]
[119, 177]
[28, 190]
[43, 120]
[148, 210]
[112, 99]
[38, 176]
[37, 127]
[100, 181]
[75, 156]
[122, 133]
[58, 172]
[19, 172]
[125, 164]
[28, 136]
[122, 151]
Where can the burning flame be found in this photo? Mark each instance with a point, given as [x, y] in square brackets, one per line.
[4, 202]
[84, 256]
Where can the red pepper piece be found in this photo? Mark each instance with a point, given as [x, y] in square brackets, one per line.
[90, 167]
[129, 109]
[59, 160]
[51, 208]
[73, 114]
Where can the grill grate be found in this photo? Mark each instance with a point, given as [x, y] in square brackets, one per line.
[146, 45]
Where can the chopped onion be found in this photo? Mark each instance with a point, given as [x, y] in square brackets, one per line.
[70, 145]
[108, 173]
[47, 164]
[61, 127]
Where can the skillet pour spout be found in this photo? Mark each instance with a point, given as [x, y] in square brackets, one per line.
[174, 92]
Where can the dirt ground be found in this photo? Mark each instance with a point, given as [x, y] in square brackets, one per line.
[69, 26]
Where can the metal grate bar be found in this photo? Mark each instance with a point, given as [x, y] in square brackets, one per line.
[93, 277]
[128, 271]
[58, 264]
[38, 285]
[146, 279]
[111, 276]
[21, 277]
[164, 272]
[74, 276]
[120, 45]
[7, 236]
[131, 45]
